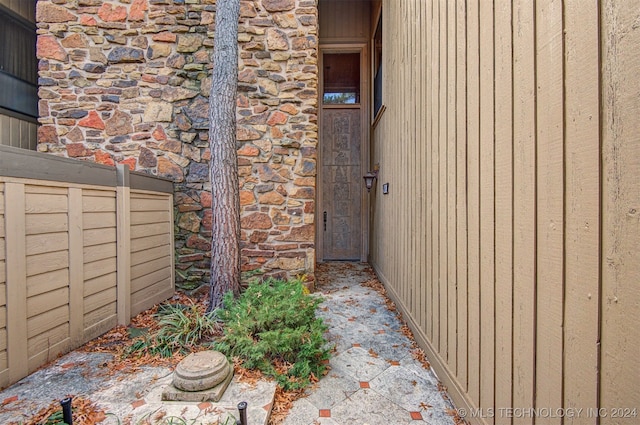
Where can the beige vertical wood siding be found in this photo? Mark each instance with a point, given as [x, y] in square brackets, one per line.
[344, 21]
[510, 236]
[18, 133]
[59, 259]
[24, 8]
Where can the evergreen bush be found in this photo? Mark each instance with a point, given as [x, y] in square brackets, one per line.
[272, 327]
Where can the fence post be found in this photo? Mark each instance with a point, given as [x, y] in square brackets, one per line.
[76, 267]
[16, 261]
[123, 233]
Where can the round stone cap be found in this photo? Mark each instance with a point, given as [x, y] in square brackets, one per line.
[201, 371]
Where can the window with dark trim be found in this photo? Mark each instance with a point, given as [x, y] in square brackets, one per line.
[377, 68]
[18, 64]
[341, 79]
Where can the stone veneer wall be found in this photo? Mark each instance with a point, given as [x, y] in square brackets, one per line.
[127, 82]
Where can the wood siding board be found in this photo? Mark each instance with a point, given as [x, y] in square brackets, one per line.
[3, 341]
[149, 279]
[620, 262]
[142, 230]
[550, 207]
[524, 208]
[47, 242]
[461, 194]
[99, 268]
[41, 323]
[98, 300]
[93, 237]
[99, 252]
[503, 209]
[428, 294]
[105, 313]
[154, 293]
[38, 203]
[141, 244]
[424, 147]
[582, 206]
[101, 326]
[99, 284]
[442, 181]
[145, 217]
[435, 130]
[487, 208]
[36, 188]
[149, 255]
[144, 204]
[42, 303]
[47, 262]
[49, 281]
[99, 220]
[452, 296]
[411, 126]
[92, 192]
[150, 266]
[98, 204]
[46, 223]
[473, 188]
[46, 347]
[419, 164]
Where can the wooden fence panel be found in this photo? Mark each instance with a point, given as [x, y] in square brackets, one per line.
[60, 281]
[151, 272]
[47, 253]
[99, 260]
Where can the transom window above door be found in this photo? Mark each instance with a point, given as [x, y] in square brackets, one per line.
[341, 78]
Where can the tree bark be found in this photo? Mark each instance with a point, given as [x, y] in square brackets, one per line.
[223, 166]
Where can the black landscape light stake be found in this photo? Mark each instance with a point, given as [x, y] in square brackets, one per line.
[242, 408]
[66, 411]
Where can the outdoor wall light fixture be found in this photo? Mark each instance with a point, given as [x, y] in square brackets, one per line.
[369, 178]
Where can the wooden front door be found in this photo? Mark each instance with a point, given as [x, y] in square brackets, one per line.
[341, 184]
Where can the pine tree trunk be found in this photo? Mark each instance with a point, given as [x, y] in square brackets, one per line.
[223, 166]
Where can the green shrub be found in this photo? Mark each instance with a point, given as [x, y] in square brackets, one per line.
[181, 327]
[272, 327]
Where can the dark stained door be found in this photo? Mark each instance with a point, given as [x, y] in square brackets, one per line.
[341, 183]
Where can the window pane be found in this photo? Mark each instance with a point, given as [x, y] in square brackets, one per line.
[377, 67]
[341, 78]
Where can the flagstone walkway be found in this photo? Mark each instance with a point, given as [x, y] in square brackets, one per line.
[375, 378]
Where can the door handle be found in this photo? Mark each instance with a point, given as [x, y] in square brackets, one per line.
[324, 219]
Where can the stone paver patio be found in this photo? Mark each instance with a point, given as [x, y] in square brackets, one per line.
[374, 377]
